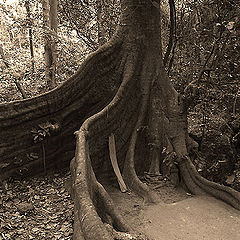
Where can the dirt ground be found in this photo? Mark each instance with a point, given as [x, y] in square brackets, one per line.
[179, 215]
[38, 208]
[198, 218]
[41, 208]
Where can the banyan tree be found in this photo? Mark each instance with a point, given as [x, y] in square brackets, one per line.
[120, 104]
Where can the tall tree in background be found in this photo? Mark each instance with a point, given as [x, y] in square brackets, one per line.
[29, 25]
[50, 9]
[101, 30]
[93, 21]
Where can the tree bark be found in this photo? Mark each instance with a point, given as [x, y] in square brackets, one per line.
[101, 31]
[172, 31]
[50, 31]
[29, 22]
[85, 93]
[119, 89]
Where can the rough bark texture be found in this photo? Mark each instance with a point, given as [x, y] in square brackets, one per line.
[101, 30]
[50, 26]
[141, 76]
[84, 94]
[30, 34]
[119, 89]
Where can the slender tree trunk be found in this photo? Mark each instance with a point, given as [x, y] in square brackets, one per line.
[171, 32]
[27, 6]
[50, 26]
[101, 31]
[54, 25]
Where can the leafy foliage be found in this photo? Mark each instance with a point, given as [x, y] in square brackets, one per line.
[208, 51]
[16, 58]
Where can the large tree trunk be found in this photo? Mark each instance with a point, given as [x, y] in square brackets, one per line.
[119, 89]
[62, 111]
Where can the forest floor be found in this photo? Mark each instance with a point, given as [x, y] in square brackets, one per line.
[36, 208]
[41, 208]
[180, 216]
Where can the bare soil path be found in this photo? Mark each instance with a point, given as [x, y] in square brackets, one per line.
[179, 216]
[198, 218]
[41, 208]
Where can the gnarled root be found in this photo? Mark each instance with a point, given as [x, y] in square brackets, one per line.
[93, 205]
[125, 236]
[197, 184]
[135, 184]
[129, 173]
[131, 178]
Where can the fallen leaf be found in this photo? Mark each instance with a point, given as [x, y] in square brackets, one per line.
[230, 179]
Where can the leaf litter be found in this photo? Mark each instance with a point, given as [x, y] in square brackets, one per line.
[37, 208]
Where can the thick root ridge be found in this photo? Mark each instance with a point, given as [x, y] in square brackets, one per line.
[107, 203]
[93, 206]
[130, 176]
[22, 110]
[199, 185]
[67, 106]
[188, 181]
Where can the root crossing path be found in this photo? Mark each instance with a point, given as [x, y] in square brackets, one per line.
[180, 217]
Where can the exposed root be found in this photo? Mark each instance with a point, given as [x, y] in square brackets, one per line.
[188, 181]
[130, 176]
[129, 173]
[125, 236]
[199, 185]
[93, 206]
[195, 183]
[77, 234]
[23, 110]
[107, 204]
[85, 93]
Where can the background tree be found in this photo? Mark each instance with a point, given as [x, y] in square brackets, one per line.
[50, 10]
[96, 20]
[15, 43]
[206, 47]
[29, 22]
